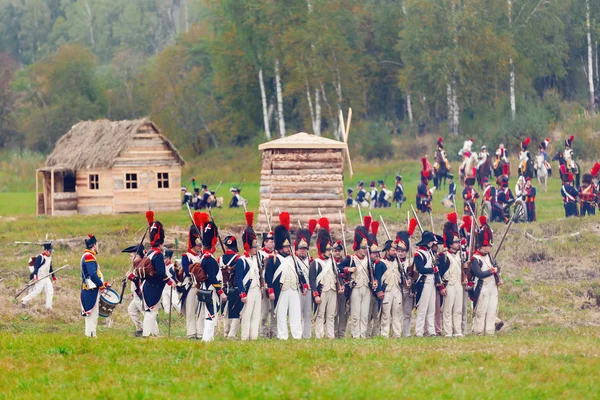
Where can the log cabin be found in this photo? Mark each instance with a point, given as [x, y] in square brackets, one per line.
[301, 174]
[106, 167]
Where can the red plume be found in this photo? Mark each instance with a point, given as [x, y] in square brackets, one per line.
[452, 217]
[90, 235]
[440, 139]
[466, 224]
[312, 225]
[482, 220]
[150, 216]
[424, 162]
[324, 223]
[367, 221]
[198, 218]
[571, 138]
[203, 218]
[284, 219]
[249, 218]
[412, 225]
[375, 227]
[595, 169]
[526, 141]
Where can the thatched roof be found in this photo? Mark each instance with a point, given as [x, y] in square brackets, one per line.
[97, 144]
[303, 140]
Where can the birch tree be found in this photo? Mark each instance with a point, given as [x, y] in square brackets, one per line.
[588, 28]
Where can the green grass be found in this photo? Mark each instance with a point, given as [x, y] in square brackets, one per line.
[545, 364]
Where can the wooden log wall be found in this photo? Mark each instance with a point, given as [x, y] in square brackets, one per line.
[300, 181]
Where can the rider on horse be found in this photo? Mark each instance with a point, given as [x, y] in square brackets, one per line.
[542, 150]
[524, 156]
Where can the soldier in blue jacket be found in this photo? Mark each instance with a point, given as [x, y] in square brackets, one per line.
[92, 285]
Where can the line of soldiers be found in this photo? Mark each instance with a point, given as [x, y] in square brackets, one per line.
[583, 201]
[262, 292]
[376, 198]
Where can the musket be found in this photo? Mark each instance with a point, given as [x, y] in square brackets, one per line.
[436, 275]
[343, 234]
[241, 183]
[431, 220]
[198, 230]
[218, 187]
[371, 277]
[137, 250]
[218, 234]
[39, 279]
[171, 294]
[403, 274]
[267, 217]
[299, 272]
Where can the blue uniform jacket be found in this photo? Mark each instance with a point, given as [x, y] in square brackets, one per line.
[89, 269]
[152, 287]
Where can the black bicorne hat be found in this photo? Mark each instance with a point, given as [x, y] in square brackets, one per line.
[231, 243]
[136, 248]
[48, 245]
[90, 241]
[426, 238]
[169, 253]
[403, 240]
[266, 236]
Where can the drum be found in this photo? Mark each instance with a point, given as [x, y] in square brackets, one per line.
[108, 302]
[446, 202]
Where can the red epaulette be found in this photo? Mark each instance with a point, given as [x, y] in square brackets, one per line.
[89, 257]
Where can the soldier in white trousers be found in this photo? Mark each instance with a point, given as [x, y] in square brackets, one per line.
[135, 308]
[426, 284]
[484, 267]
[302, 246]
[42, 269]
[249, 282]
[268, 322]
[92, 286]
[360, 281]
[342, 313]
[190, 264]
[285, 282]
[324, 283]
[170, 299]
[451, 271]
[374, 326]
[408, 299]
[389, 290]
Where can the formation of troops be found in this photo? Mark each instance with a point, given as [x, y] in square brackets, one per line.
[270, 286]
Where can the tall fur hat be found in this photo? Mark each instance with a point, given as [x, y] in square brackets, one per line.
[209, 236]
[248, 236]
[450, 229]
[303, 235]
[281, 233]
[440, 142]
[323, 237]
[485, 236]
[569, 141]
[372, 237]
[361, 234]
[156, 232]
[525, 143]
[544, 144]
[194, 236]
[403, 240]
[587, 178]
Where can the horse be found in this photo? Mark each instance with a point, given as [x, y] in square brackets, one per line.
[498, 167]
[484, 170]
[529, 168]
[560, 157]
[442, 169]
[466, 167]
[542, 171]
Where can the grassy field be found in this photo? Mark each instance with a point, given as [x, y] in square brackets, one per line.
[550, 302]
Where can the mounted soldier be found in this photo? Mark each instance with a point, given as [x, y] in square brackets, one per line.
[441, 165]
[424, 195]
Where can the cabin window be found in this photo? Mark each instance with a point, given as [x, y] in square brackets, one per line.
[131, 181]
[163, 180]
[94, 182]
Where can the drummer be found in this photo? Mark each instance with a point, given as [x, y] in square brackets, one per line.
[92, 285]
[136, 307]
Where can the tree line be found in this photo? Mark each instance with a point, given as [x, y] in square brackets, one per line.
[214, 73]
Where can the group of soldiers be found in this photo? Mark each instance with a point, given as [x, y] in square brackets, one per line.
[378, 196]
[202, 198]
[280, 289]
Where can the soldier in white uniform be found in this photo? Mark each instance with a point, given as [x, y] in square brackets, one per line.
[302, 246]
[374, 326]
[324, 283]
[268, 322]
[450, 264]
[484, 267]
[136, 308]
[408, 297]
[190, 264]
[249, 282]
[389, 290]
[285, 282]
[360, 281]
[42, 269]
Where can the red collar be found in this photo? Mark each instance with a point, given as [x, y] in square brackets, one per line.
[192, 252]
[229, 251]
[45, 254]
[423, 248]
[90, 251]
[267, 251]
[338, 260]
[156, 250]
[479, 253]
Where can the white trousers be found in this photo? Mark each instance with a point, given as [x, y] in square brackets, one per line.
[453, 307]
[306, 309]
[136, 311]
[341, 318]
[91, 320]
[484, 320]
[360, 303]
[150, 326]
[170, 297]
[251, 313]
[289, 304]
[268, 322]
[209, 321]
[392, 313]
[193, 321]
[408, 304]
[426, 309]
[42, 285]
[325, 322]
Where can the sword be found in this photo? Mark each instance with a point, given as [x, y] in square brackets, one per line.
[39, 279]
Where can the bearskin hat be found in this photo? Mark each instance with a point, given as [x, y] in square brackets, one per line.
[466, 223]
[303, 235]
[281, 233]
[403, 240]
[485, 236]
[231, 243]
[323, 237]
[194, 236]
[450, 229]
[525, 143]
[595, 170]
[569, 141]
[587, 178]
[209, 236]
[440, 143]
[567, 177]
[248, 235]
[156, 232]
[361, 234]
[372, 237]
[90, 241]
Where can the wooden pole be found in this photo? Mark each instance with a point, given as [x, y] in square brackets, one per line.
[345, 135]
[37, 211]
[52, 192]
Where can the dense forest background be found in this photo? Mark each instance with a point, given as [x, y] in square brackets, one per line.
[215, 73]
